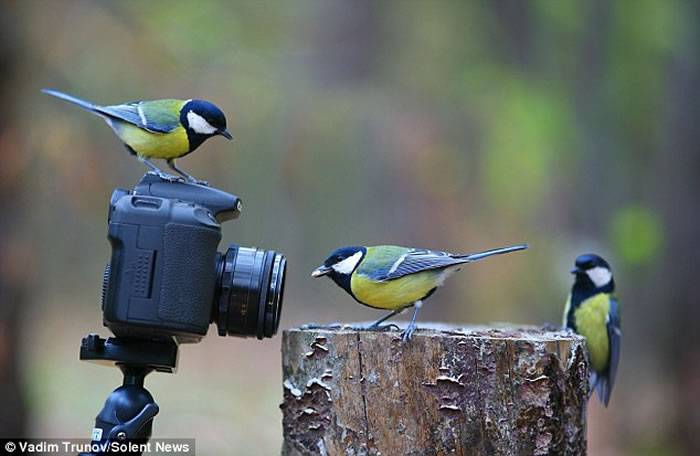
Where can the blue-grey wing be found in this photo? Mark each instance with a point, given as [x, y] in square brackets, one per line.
[135, 114]
[615, 341]
[417, 261]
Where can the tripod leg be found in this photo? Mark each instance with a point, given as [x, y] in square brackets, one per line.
[128, 412]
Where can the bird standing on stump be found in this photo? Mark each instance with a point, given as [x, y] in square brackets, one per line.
[165, 129]
[593, 312]
[395, 278]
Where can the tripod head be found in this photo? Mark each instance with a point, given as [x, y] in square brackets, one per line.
[129, 410]
[160, 356]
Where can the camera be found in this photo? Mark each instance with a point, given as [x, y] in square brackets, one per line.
[166, 280]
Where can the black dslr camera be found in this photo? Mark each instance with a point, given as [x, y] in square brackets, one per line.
[164, 285]
[167, 280]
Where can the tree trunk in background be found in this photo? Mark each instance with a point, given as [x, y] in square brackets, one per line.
[678, 194]
[347, 42]
[466, 391]
[12, 297]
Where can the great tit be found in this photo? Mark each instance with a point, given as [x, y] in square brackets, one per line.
[395, 278]
[593, 312]
[165, 129]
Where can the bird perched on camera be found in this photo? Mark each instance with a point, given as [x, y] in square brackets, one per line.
[395, 278]
[164, 129]
[593, 312]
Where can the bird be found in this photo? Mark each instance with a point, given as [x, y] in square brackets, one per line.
[395, 278]
[165, 129]
[592, 310]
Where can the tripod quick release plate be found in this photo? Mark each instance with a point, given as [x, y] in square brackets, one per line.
[160, 356]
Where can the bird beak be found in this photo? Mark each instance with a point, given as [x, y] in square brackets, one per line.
[576, 271]
[225, 133]
[321, 271]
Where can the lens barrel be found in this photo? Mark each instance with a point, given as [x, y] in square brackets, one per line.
[249, 294]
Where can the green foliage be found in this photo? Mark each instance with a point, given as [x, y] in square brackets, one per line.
[524, 145]
[636, 233]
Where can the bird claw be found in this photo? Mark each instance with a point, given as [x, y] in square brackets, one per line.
[166, 177]
[407, 334]
[192, 180]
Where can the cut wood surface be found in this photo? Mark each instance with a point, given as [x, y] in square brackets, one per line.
[450, 390]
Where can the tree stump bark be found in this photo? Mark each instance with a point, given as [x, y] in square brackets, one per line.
[464, 391]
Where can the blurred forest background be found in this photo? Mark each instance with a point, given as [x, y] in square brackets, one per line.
[572, 125]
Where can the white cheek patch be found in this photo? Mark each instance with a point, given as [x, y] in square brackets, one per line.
[347, 265]
[599, 276]
[199, 124]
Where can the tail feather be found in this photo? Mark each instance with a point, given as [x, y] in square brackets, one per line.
[71, 99]
[600, 384]
[593, 380]
[603, 389]
[487, 253]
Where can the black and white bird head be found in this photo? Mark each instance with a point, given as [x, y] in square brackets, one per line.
[341, 263]
[592, 271]
[203, 120]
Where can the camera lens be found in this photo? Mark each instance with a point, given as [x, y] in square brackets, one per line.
[249, 293]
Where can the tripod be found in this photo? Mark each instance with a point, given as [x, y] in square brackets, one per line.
[126, 420]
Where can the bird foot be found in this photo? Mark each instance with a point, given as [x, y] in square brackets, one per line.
[192, 180]
[166, 177]
[407, 334]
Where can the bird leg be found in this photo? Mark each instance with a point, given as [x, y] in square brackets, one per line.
[188, 178]
[411, 328]
[375, 326]
[157, 171]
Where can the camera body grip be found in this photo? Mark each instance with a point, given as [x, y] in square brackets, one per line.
[161, 278]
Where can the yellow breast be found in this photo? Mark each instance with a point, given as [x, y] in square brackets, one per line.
[393, 294]
[154, 145]
[591, 322]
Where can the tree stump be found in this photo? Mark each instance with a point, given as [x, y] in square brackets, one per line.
[450, 390]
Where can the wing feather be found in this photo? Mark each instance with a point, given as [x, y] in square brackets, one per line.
[419, 260]
[139, 113]
[158, 116]
[615, 341]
